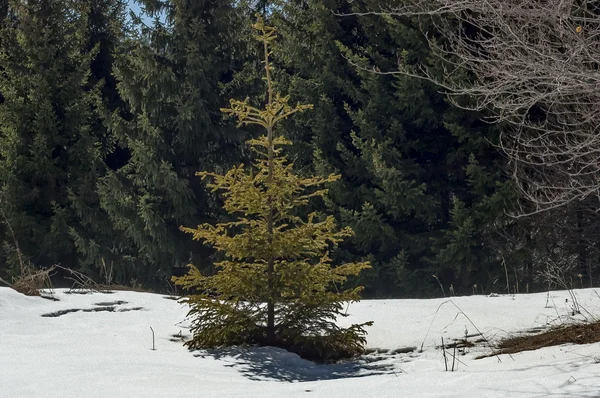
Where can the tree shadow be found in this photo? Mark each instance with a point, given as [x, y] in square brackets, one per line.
[573, 383]
[270, 363]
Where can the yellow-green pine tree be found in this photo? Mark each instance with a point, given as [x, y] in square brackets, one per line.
[277, 285]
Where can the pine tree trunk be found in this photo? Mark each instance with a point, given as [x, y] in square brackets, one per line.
[271, 306]
[271, 264]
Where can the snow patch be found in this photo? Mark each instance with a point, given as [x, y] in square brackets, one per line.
[102, 354]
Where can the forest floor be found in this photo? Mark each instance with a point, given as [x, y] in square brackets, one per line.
[89, 344]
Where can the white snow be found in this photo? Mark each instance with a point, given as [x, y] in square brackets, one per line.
[109, 353]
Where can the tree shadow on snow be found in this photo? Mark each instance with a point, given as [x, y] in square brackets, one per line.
[263, 363]
[569, 382]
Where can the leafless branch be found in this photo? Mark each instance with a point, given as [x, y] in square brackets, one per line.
[533, 67]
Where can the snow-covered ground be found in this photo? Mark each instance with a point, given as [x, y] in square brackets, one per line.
[108, 353]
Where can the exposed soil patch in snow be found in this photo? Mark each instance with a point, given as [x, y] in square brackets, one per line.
[86, 291]
[569, 334]
[49, 296]
[97, 309]
[109, 303]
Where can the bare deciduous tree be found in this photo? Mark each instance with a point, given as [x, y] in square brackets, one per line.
[533, 66]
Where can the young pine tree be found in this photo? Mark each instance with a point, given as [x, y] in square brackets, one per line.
[277, 285]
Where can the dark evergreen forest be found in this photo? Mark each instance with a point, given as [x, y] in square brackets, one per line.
[106, 116]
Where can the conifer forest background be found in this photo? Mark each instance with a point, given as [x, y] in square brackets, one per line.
[106, 116]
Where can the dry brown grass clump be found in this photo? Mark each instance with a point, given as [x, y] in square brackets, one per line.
[581, 333]
[31, 281]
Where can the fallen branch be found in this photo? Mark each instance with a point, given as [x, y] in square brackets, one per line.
[6, 283]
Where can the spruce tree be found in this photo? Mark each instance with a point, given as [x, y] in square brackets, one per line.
[100, 246]
[172, 72]
[403, 152]
[51, 146]
[276, 285]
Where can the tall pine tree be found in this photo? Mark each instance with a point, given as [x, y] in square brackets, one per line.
[172, 74]
[407, 158]
[52, 146]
